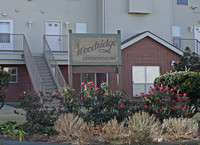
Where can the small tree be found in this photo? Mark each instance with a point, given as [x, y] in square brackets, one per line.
[5, 78]
[189, 60]
[187, 82]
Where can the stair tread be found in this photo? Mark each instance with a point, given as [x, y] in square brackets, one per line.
[45, 73]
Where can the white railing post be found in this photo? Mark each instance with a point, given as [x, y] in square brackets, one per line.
[54, 68]
[32, 68]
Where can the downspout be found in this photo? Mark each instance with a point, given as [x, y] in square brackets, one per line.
[171, 20]
[104, 28]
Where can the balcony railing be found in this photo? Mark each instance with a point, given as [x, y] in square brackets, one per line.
[57, 75]
[58, 43]
[11, 42]
[182, 44]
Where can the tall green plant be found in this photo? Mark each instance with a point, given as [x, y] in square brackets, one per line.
[166, 102]
[5, 78]
[187, 82]
[11, 130]
[189, 60]
[39, 117]
[101, 104]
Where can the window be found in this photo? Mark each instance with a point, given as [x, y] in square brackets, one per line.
[14, 73]
[182, 2]
[143, 78]
[88, 77]
[81, 27]
[5, 28]
[176, 34]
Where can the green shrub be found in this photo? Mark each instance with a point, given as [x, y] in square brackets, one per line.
[69, 101]
[144, 128]
[189, 60]
[98, 105]
[5, 78]
[101, 105]
[30, 127]
[38, 115]
[12, 130]
[166, 102]
[187, 82]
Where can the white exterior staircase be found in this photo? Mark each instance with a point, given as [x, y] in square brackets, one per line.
[45, 74]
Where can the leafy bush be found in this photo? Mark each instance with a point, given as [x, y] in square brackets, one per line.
[11, 130]
[30, 127]
[187, 82]
[5, 78]
[98, 105]
[38, 115]
[180, 127]
[166, 102]
[69, 102]
[143, 128]
[101, 104]
[189, 60]
[73, 127]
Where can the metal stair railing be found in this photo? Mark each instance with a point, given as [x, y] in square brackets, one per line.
[55, 70]
[36, 80]
[183, 43]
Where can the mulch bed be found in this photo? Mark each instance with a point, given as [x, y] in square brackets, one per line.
[41, 137]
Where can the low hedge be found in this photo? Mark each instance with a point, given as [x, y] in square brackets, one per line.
[187, 82]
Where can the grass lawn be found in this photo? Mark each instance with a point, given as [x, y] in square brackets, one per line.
[15, 106]
[9, 115]
[197, 116]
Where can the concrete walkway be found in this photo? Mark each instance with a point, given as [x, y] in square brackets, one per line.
[8, 107]
[3, 142]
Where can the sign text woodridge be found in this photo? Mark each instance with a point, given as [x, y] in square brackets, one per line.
[95, 49]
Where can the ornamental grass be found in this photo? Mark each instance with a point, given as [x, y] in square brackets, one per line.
[179, 128]
[72, 127]
[144, 128]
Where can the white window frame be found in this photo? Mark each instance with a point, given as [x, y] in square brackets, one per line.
[11, 24]
[145, 83]
[13, 74]
[9, 46]
[176, 35]
[82, 31]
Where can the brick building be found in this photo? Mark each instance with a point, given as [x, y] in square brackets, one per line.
[143, 54]
[34, 40]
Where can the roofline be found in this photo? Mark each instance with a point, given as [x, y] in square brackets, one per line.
[140, 36]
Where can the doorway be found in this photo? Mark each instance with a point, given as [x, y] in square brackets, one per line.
[53, 32]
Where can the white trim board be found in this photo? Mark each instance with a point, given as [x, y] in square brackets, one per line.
[154, 37]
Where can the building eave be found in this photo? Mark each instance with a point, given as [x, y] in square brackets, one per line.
[142, 35]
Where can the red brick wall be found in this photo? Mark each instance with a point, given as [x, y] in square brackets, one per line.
[145, 52]
[76, 78]
[24, 84]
